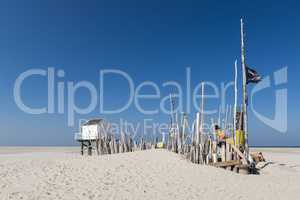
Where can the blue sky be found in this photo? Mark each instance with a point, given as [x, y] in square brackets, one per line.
[149, 40]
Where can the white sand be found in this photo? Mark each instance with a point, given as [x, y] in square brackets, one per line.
[61, 173]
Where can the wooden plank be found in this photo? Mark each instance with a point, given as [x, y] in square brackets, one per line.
[239, 153]
[227, 163]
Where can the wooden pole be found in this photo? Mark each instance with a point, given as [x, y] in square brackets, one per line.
[202, 108]
[219, 118]
[226, 118]
[197, 132]
[235, 101]
[171, 104]
[90, 148]
[201, 125]
[174, 125]
[230, 118]
[82, 146]
[245, 98]
[223, 151]
[97, 147]
[184, 131]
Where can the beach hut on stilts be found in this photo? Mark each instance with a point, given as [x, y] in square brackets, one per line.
[90, 136]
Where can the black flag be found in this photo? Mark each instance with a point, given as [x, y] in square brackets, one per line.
[252, 76]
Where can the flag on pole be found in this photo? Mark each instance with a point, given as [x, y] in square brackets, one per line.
[252, 76]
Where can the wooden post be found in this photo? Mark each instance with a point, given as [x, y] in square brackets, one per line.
[230, 119]
[201, 126]
[235, 102]
[245, 97]
[185, 132]
[198, 140]
[219, 118]
[90, 148]
[214, 152]
[172, 133]
[82, 148]
[111, 146]
[228, 154]
[193, 145]
[117, 149]
[202, 108]
[97, 147]
[225, 119]
[223, 151]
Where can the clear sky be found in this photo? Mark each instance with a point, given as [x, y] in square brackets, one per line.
[149, 40]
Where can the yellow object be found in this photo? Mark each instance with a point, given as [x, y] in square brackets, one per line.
[230, 140]
[240, 138]
[160, 145]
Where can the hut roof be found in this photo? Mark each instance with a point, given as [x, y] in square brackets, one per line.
[93, 122]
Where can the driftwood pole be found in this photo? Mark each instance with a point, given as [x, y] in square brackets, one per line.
[219, 118]
[230, 118]
[245, 98]
[197, 132]
[174, 125]
[202, 107]
[194, 141]
[184, 132]
[226, 118]
[201, 125]
[235, 102]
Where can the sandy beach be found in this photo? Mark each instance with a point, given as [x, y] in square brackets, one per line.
[61, 173]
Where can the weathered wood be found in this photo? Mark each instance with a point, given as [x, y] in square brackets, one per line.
[245, 95]
[198, 139]
[90, 148]
[97, 146]
[227, 163]
[214, 152]
[214, 158]
[111, 146]
[228, 152]
[223, 151]
[239, 153]
[82, 146]
[258, 157]
[235, 102]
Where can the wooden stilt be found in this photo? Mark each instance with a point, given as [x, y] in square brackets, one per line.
[97, 147]
[223, 151]
[90, 148]
[82, 148]
[228, 154]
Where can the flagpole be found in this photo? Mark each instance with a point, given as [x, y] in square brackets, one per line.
[245, 98]
[235, 102]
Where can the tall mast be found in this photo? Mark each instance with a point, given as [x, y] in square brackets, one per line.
[235, 101]
[202, 108]
[245, 97]
[226, 118]
[219, 117]
[229, 117]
